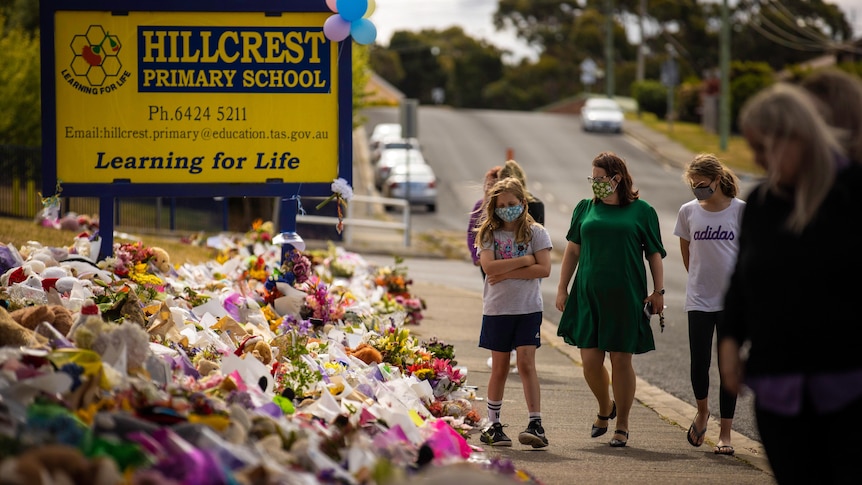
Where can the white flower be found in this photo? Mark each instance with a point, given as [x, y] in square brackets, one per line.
[343, 189]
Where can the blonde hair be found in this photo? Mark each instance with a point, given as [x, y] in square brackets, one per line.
[709, 166]
[512, 169]
[784, 112]
[491, 221]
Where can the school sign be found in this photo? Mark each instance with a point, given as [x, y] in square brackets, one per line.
[193, 98]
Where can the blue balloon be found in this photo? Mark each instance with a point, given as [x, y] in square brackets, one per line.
[363, 31]
[351, 10]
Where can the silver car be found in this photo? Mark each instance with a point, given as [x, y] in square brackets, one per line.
[393, 143]
[393, 158]
[602, 114]
[415, 183]
[382, 131]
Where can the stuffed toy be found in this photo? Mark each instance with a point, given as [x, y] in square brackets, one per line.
[255, 345]
[54, 464]
[57, 315]
[365, 353]
[14, 334]
[206, 367]
[161, 259]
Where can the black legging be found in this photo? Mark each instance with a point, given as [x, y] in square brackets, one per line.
[701, 328]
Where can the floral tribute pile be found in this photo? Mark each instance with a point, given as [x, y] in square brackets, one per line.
[249, 368]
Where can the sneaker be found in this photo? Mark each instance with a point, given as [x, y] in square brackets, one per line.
[534, 435]
[495, 436]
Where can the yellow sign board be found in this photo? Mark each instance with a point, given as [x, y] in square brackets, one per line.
[195, 97]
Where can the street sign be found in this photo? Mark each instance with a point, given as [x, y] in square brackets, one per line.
[670, 73]
[588, 71]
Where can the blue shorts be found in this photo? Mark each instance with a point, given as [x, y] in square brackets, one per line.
[504, 333]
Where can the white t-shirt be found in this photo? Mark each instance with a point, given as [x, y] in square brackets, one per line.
[713, 245]
[514, 296]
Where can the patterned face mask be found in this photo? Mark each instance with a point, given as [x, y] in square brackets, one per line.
[603, 189]
[510, 213]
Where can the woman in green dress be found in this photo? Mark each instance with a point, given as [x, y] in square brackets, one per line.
[609, 305]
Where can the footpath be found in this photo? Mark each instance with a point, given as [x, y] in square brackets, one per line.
[657, 450]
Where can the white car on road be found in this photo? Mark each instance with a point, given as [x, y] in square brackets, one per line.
[602, 114]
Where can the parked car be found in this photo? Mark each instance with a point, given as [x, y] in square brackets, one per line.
[415, 183]
[382, 131]
[393, 143]
[393, 158]
[602, 114]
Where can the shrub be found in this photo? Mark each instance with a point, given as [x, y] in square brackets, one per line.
[651, 96]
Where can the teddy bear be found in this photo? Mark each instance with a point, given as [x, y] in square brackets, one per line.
[257, 347]
[57, 315]
[13, 334]
[56, 463]
[161, 259]
[365, 353]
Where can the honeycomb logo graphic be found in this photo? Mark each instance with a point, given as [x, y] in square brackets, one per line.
[96, 55]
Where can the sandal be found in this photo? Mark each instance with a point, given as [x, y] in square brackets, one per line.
[695, 437]
[598, 431]
[724, 450]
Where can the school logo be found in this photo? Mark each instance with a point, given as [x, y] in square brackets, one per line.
[96, 63]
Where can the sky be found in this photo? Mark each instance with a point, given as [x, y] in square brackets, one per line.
[475, 17]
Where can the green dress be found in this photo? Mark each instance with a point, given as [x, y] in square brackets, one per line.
[605, 305]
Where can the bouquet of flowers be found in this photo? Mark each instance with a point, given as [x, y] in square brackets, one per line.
[126, 257]
[440, 374]
[261, 231]
[397, 347]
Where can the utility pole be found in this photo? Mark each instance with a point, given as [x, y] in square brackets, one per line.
[409, 130]
[724, 79]
[609, 48]
[639, 74]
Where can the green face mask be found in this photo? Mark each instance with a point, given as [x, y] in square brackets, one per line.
[603, 189]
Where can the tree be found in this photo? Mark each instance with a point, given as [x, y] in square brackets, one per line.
[21, 14]
[422, 69]
[386, 63]
[788, 32]
[469, 64]
[19, 87]
[361, 73]
[747, 78]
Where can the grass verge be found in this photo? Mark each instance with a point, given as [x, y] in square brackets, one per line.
[698, 140]
[19, 232]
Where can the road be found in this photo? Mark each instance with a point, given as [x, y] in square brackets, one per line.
[462, 144]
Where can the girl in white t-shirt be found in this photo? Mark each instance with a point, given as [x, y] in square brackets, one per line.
[515, 253]
[708, 231]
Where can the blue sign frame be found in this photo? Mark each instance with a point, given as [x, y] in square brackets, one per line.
[107, 192]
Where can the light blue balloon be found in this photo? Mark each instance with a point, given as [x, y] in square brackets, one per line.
[363, 31]
[351, 10]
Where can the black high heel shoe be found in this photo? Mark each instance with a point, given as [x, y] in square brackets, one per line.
[597, 431]
[616, 443]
